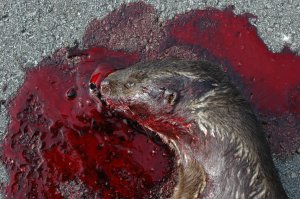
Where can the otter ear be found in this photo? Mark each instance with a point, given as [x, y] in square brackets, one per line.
[170, 97]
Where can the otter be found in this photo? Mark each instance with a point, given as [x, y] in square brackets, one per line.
[220, 147]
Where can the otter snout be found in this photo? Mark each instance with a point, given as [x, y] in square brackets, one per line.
[105, 88]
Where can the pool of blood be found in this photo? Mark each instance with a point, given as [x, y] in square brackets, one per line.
[61, 143]
[58, 135]
[270, 81]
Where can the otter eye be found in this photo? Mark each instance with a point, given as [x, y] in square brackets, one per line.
[140, 75]
[128, 85]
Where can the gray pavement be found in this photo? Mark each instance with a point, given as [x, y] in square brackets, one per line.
[32, 29]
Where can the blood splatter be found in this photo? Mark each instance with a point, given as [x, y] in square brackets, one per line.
[270, 81]
[58, 136]
[62, 144]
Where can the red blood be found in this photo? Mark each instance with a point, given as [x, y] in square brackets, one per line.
[268, 76]
[53, 140]
[269, 80]
[62, 144]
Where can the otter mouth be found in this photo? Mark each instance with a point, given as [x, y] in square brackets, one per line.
[167, 184]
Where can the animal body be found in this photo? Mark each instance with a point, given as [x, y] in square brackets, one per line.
[220, 148]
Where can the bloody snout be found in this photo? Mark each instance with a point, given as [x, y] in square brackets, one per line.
[105, 88]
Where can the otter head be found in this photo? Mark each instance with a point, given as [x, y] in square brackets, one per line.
[141, 91]
[156, 91]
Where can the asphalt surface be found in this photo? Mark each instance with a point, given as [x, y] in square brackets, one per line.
[33, 29]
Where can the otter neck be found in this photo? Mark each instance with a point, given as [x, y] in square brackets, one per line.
[231, 169]
[211, 154]
[216, 161]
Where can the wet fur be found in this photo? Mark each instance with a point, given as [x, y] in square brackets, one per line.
[221, 148]
[191, 182]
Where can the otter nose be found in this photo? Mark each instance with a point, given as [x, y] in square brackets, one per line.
[105, 88]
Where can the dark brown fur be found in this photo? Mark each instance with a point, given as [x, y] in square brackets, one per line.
[220, 146]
